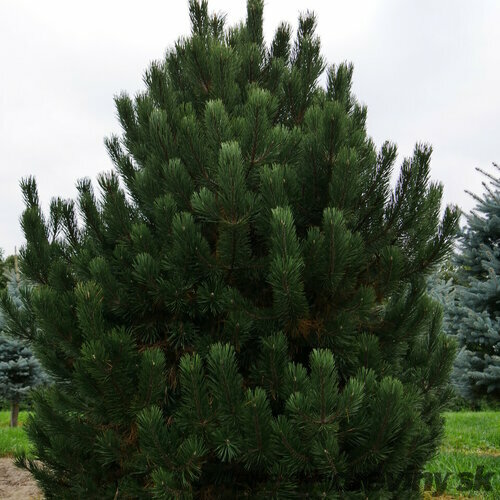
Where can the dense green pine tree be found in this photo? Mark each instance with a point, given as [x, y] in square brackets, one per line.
[474, 310]
[19, 369]
[242, 311]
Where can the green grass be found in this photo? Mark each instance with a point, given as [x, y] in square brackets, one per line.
[471, 440]
[5, 418]
[472, 431]
[12, 440]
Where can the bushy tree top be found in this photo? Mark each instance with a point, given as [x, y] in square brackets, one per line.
[480, 237]
[243, 308]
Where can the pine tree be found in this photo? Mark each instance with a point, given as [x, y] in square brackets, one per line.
[19, 369]
[476, 305]
[242, 311]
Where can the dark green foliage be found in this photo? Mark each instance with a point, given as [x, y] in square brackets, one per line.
[242, 311]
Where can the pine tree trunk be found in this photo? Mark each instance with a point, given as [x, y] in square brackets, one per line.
[14, 414]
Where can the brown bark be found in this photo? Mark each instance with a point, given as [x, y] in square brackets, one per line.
[14, 414]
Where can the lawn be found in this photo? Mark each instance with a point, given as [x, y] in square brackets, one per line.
[12, 441]
[471, 441]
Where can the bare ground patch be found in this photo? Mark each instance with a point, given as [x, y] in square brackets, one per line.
[15, 483]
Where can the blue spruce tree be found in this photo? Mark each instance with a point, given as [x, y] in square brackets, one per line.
[441, 286]
[19, 369]
[474, 312]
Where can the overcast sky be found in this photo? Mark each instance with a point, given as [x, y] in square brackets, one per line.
[428, 71]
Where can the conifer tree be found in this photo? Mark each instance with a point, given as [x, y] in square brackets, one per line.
[442, 287]
[3, 281]
[5, 265]
[242, 311]
[19, 369]
[475, 308]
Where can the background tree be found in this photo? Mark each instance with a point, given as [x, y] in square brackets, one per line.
[19, 369]
[475, 308]
[442, 287]
[5, 265]
[242, 311]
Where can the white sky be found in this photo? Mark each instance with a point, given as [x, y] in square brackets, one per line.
[428, 70]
